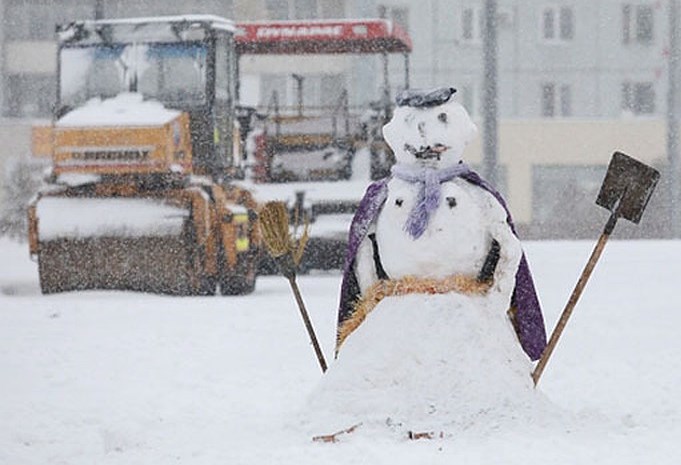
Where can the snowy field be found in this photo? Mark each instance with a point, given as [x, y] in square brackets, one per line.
[125, 378]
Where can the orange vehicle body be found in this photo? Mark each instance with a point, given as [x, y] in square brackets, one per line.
[123, 150]
[128, 207]
[224, 235]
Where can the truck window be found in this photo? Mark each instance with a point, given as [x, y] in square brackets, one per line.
[222, 70]
[169, 72]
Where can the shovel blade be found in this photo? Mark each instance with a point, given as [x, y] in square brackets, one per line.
[627, 187]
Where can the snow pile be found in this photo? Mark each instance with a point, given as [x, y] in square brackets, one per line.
[126, 109]
[60, 217]
[429, 363]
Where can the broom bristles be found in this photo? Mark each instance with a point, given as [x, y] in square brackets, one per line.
[275, 228]
[274, 225]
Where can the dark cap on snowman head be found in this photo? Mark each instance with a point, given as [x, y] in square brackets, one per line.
[420, 98]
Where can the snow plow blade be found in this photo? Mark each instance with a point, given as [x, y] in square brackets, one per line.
[159, 264]
[165, 244]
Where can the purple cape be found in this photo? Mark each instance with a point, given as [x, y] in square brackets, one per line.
[528, 322]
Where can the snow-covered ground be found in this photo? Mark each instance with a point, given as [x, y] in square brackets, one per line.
[125, 378]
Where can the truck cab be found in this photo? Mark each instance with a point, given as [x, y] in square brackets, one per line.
[187, 63]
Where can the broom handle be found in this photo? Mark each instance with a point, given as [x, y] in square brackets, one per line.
[576, 293]
[308, 323]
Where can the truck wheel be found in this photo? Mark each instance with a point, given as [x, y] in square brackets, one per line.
[208, 286]
[197, 281]
[243, 281]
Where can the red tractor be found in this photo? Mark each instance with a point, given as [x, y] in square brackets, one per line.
[300, 145]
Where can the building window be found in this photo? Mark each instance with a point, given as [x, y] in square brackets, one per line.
[557, 24]
[399, 15]
[638, 97]
[565, 100]
[567, 23]
[292, 9]
[556, 100]
[548, 100]
[638, 24]
[471, 24]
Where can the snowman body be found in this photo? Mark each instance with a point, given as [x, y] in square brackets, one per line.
[460, 232]
[453, 242]
[435, 226]
[457, 241]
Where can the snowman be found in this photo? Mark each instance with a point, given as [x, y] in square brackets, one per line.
[435, 227]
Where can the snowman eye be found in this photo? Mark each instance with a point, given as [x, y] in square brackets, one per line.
[442, 117]
[451, 201]
[398, 202]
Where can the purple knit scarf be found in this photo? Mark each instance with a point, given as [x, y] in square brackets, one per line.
[428, 198]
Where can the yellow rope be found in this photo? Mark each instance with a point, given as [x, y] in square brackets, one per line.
[408, 285]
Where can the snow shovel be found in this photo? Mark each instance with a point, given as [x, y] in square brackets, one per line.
[287, 251]
[625, 192]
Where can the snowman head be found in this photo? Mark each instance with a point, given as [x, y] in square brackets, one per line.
[429, 128]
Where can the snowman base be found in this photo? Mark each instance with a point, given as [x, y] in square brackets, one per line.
[432, 365]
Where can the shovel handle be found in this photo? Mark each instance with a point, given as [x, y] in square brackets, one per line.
[572, 302]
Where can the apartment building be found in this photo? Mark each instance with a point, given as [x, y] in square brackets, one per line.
[565, 67]
[559, 58]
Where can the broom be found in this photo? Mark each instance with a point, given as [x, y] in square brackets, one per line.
[287, 251]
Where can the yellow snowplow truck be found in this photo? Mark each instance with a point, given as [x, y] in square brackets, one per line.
[144, 144]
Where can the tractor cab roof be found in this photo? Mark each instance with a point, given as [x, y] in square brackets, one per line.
[145, 29]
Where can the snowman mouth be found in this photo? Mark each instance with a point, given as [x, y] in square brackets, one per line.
[428, 152]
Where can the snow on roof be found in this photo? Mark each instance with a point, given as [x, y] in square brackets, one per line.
[217, 22]
[126, 109]
[152, 28]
